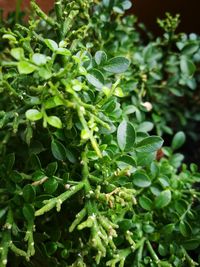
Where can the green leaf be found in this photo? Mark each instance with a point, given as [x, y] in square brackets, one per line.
[145, 126]
[126, 136]
[178, 140]
[187, 66]
[29, 193]
[25, 67]
[53, 102]
[28, 212]
[39, 59]
[58, 150]
[117, 65]
[145, 203]
[141, 180]
[163, 199]
[100, 57]
[17, 53]
[50, 185]
[126, 161]
[190, 49]
[10, 37]
[63, 51]
[70, 156]
[33, 115]
[51, 168]
[149, 144]
[96, 78]
[52, 45]
[54, 121]
[185, 228]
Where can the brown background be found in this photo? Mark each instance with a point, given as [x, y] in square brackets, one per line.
[146, 10]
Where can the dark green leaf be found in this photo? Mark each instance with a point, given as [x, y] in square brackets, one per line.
[178, 140]
[58, 150]
[28, 212]
[187, 66]
[29, 193]
[145, 203]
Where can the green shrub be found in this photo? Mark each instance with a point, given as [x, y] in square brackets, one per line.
[82, 182]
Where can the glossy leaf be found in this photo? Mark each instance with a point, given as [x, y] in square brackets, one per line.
[178, 140]
[33, 114]
[149, 144]
[54, 121]
[25, 67]
[58, 150]
[96, 78]
[117, 65]
[163, 199]
[126, 136]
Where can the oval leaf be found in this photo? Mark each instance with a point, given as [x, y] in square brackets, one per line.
[178, 140]
[141, 180]
[145, 203]
[33, 114]
[39, 59]
[187, 66]
[96, 78]
[25, 67]
[163, 199]
[58, 150]
[54, 121]
[117, 65]
[126, 136]
[149, 144]
[100, 57]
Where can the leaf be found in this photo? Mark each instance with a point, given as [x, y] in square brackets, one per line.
[52, 45]
[33, 115]
[100, 57]
[126, 136]
[25, 67]
[96, 78]
[54, 121]
[126, 4]
[28, 212]
[187, 66]
[39, 59]
[117, 65]
[163, 199]
[63, 51]
[185, 228]
[70, 156]
[29, 193]
[50, 185]
[141, 180]
[178, 140]
[149, 144]
[58, 150]
[17, 53]
[145, 126]
[190, 49]
[145, 203]
[51, 168]
[53, 102]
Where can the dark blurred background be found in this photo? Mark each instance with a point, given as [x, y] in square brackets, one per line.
[148, 11]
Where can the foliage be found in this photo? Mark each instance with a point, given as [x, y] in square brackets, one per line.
[83, 183]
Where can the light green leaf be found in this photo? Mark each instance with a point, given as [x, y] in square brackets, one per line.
[126, 136]
[52, 102]
[96, 78]
[178, 140]
[149, 144]
[54, 121]
[17, 53]
[52, 45]
[100, 57]
[33, 114]
[63, 51]
[25, 67]
[10, 37]
[163, 199]
[141, 180]
[39, 59]
[117, 65]
[145, 126]
[187, 66]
